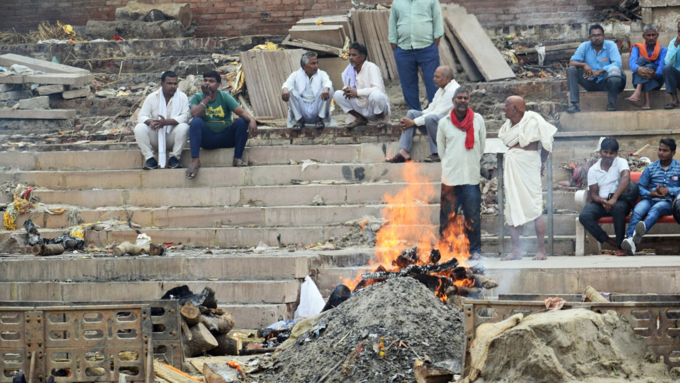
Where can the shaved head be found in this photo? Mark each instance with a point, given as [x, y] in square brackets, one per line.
[518, 102]
[514, 108]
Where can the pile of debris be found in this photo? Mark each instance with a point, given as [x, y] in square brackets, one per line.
[378, 335]
[627, 10]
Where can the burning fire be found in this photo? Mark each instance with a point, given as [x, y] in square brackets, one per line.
[409, 224]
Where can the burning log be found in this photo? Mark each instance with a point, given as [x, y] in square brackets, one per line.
[412, 270]
[406, 258]
[201, 341]
[435, 256]
[464, 291]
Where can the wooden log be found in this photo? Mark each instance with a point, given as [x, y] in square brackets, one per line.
[47, 249]
[185, 329]
[220, 373]
[485, 282]
[134, 10]
[227, 345]
[201, 341]
[593, 295]
[218, 324]
[127, 248]
[190, 313]
[170, 374]
[429, 373]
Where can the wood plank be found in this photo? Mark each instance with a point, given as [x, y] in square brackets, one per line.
[331, 35]
[478, 45]
[383, 25]
[464, 59]
[50, 89]
[358, 28]
[7, 60]
[446, 55]
[76, 93]
[51, 114]
[310, 46]
[374, 53]
[332, 20]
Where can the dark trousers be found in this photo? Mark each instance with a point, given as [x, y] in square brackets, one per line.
[671, 77]
[648, 84]
[408, 62]
[613, 84]
[469, 197]
[595, 211]
[234, 136]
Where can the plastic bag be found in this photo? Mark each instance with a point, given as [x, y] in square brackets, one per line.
[311, 301]
[143, 240]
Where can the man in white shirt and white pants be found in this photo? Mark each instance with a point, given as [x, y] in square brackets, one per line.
[461, 138]
[427, 120]
[308, 94]
[607, 181]
[162, 124]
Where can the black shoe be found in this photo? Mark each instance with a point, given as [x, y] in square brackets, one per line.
[611, 108]
[151, 163]
[173, 163]
[573, 109]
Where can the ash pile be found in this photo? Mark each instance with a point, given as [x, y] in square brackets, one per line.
[375, 336]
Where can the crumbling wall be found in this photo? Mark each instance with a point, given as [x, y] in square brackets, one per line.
[257, 17]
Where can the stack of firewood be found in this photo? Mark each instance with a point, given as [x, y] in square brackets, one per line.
[206, 327]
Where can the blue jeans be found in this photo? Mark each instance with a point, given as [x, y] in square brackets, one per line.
[653, 210]
[408, 62]
[234, 136]
[430, 128]
[469, 197]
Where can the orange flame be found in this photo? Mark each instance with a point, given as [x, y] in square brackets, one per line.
[410, 222]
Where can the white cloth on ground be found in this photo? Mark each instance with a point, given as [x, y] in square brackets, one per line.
[367, 82]
[460, 166]
[607, 181]
[442, 103]
[305, 97]
[522, 168]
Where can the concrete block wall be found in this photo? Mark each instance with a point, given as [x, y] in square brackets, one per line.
[257, 17]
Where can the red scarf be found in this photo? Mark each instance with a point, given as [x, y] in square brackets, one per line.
[643, 51]
[466, 126]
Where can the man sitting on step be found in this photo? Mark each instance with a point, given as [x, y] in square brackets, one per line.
[671, 71]
[308, 94]
[363, 98]
[162, 124]
[596, 66]
[647, 61]
[427, 120]
[607, 181]
[658, 184]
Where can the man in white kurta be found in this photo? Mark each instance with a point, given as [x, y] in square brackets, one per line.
[461, 138]
[363, 98]
[529, 139]
[308, 94]
[162, 124]
[427, 120]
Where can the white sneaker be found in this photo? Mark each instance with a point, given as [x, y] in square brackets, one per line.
[628, 246]
[640, 230]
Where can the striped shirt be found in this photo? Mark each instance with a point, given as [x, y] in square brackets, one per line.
[655, 174]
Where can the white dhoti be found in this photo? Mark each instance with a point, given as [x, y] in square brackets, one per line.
[299, 109]
[175, 140]
[522, 186]
[377, 103]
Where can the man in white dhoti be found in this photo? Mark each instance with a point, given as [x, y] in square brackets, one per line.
[529, 139]
[308, 94]
[363, 98]
[162, 124]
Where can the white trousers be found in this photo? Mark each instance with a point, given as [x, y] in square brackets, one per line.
[298, 109]
[175, 139]
[377, 103]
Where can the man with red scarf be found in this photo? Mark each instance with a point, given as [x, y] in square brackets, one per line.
[647, 61]
[461, 137]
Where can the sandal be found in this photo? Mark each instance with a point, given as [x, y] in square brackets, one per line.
[670, 105]
[398, 158]
[191, 173]
[298, 125]
[355, 124]
[573, 109]
[319, 124]
[432, 159]
[238, 163]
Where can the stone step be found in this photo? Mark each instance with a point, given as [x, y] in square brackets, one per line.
[560, 275]
[258, 155]
[626, 122]
[597, 101]
[172, 266]
[226, 292]
[207, 176]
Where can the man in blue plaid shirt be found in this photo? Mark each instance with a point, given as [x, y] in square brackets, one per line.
[659, 184]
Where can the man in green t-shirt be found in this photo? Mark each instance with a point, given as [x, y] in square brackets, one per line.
[212, 126]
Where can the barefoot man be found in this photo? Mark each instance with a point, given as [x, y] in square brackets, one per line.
[529, 139]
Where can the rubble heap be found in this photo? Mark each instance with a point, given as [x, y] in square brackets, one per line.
[374, 336]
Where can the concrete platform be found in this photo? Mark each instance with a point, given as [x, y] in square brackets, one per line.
[622, 121]
[597, 101]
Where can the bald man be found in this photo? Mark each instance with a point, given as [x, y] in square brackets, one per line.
[529, 140]
[427, 120]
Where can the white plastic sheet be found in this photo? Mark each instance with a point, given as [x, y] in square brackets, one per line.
[311, 301]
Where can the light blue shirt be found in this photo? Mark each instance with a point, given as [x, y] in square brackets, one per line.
[671, 55]
[659, 62]
[415, 24]
[607, 58]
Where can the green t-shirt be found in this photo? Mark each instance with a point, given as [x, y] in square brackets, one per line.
[217, 115]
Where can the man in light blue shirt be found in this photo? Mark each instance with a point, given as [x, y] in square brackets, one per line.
[671, 71]
[596, 66]
[416, 26]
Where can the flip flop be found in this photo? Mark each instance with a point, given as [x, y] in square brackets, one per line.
[355, 124]
[319, 124]
[398, 158]
[670, 105]
[191, 173]
[432, 159]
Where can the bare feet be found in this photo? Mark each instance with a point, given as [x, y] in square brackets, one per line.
[514, 256]
[540, 256]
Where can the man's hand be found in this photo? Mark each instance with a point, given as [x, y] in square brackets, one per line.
[677, 40]
[394, 46]
[285, 95]
[608, 205]
[436, 41]
[207, 92]
[598, 72]
[406, 123]
[587, 71]
[252, 128]
[350, 93]
[542, 169]
[662, 191]
[325, 94]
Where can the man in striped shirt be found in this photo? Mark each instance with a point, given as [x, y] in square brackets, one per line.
[659, 184]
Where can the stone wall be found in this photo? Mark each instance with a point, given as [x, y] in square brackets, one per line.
[274, 17]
